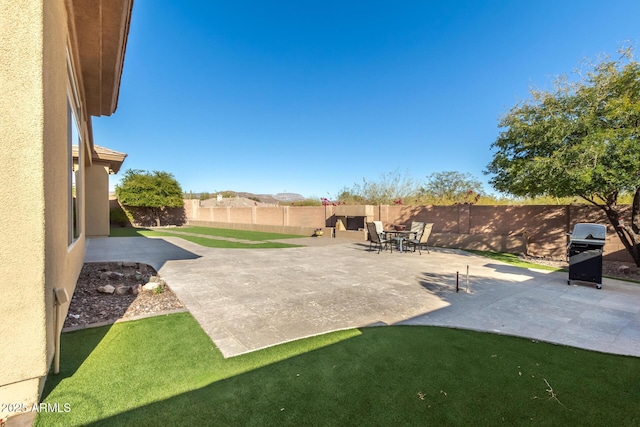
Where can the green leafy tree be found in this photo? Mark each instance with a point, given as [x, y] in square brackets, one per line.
[451, 187]
[155, 191]
[581, 139]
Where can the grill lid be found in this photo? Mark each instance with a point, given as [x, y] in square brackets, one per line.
[591, 234]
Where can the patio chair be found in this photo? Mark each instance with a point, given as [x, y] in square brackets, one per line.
[421, 240]
[380, 229]
[417, 227]
[375, 238]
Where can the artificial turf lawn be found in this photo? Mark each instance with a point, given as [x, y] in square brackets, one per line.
[256, 236]
[166, 371]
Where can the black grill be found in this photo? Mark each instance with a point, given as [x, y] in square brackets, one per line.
[585, 253]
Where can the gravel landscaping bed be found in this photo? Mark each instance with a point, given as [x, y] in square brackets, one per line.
[128, 300]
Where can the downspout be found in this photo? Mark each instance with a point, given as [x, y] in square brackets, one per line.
[61, 297]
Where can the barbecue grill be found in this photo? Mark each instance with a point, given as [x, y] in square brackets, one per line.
[585, 253]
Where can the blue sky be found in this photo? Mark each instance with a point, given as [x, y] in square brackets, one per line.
[313, 96]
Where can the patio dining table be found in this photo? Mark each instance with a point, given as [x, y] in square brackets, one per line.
[400, 236]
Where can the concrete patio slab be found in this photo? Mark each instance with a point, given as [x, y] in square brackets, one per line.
[247, 299]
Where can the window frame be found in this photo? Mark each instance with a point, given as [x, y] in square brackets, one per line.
[74, 175]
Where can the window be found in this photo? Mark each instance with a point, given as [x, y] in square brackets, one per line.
[74, 145]
[75, 149]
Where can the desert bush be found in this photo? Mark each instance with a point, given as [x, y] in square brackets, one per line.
[118, 217]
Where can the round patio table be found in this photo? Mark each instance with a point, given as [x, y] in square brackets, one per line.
[400, 237]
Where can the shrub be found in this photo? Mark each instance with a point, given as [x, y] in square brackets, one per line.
[118, 217]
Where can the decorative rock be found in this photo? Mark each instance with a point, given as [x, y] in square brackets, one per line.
[624, 269]
[151, 286]
[153, 279]
[138, 276]
[111, 275]
[106, 289]
[135, 289]
[130, 264]
[122, 289]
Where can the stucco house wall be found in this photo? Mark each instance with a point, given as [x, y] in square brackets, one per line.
[97, 201]
[35, 256]
[24, 263]
[40, 73]
[104, 162]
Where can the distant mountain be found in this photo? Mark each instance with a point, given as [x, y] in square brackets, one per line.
[288, 197]
[264, 198]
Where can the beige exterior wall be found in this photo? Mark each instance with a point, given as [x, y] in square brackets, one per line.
[35, 257]
[21, 127]
[97, 201]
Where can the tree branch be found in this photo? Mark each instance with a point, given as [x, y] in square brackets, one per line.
[634, 242]
[635, 212]
[626, 234]
[593, 202]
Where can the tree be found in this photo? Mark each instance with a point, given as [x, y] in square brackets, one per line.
[451, 187]
[155, 191]
[347, 197]
[391, 188]
[581, 139]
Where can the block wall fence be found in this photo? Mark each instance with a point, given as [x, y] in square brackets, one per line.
[535, 230]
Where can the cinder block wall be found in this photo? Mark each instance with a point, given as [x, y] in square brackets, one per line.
[536, 230]
[542, 229]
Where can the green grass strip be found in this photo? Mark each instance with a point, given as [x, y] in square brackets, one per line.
[126, 232]
[517, 262]
[211, 242]
[512, 259]
[238, 234]
[166, 371]
[217, 243]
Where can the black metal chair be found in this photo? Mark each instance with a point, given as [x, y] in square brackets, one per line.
[377, 239]
[422, 239]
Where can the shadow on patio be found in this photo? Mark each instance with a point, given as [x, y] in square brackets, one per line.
[153, 251]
